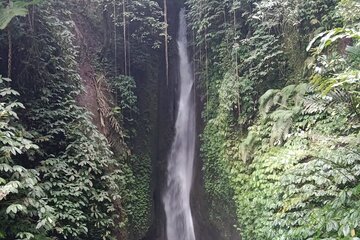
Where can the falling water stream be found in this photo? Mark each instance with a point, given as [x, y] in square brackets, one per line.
[179, 222]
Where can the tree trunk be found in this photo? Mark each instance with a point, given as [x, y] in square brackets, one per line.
[9, 53]
[128, 51]
[107, 32]
[115, 40]
[124, 35]
[166, 43]
[9, 48]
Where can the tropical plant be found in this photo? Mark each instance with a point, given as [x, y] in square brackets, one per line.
[262, 117]
[338, 71]
[16, 8]
[25, 213]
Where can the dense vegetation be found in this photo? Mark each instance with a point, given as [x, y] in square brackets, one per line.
[72, 163]
[280, 87]
[280, 84]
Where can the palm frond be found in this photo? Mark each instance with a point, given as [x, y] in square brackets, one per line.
[314, 104]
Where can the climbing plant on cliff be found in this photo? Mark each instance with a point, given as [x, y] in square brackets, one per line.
[79, 172]
[136, 27]
[80, 169]
[271, 109]
[81, 181]
[25, 213]
[281, 120]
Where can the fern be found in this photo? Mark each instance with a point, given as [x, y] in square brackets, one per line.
[339, 71]
[354, 54]
[285, 105]
[286, 93]
[107, 117]
[14, 9]
[314, 104]
[283, 120]
[300, 91]
[248, 146]
[283, 98]
[267, 101]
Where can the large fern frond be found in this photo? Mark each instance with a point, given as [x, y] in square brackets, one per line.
[314, 104]
[340, 96]
[14, 9]
[338, 81]
[267, 101]
[248, 146]
[107, 116]
[300, 92]
[327, 38]
[283, 121]
[286, 93]
[354, 54]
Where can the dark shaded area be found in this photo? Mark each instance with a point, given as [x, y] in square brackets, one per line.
[165, 122]
[167, 104]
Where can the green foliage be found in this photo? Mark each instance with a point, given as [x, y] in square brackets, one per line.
[85, 178]
[141, 21]
[138, 205]
[217, 182]
[317, 15]
[329, 37]
[250, 56]
[25, 213]
[95, 188]
[14, 9]
[281, 107]
[84, 182]
[336, 71]
[285, 152]
[123, 88]
[349, 10]
[294, 191]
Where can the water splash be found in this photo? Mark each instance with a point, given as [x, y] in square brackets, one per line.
[179, 222]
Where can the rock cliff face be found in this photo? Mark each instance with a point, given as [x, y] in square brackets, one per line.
[167, 104]
[157, 102]
[165, 119]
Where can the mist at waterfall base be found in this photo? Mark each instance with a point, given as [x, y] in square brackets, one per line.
[179, 222]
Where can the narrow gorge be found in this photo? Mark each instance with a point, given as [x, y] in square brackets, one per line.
[179, 220]
[179, 119]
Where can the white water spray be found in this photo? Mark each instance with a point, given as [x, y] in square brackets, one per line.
[179, 222]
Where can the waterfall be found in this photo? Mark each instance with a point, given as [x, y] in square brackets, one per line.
[179, 222]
